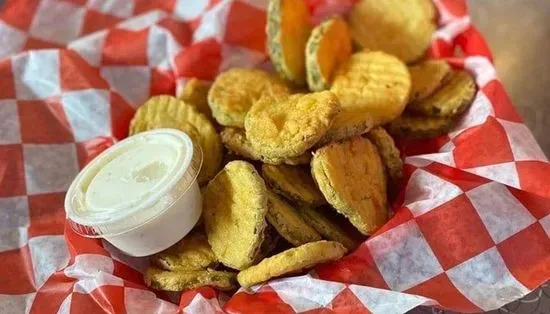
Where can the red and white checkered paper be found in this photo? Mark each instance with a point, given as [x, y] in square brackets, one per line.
[471, 226]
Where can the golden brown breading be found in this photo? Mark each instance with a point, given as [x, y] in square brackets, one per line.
[234, 207]
[291, 261]
[328, 45]
[351, 176]
[294, 183]
[236, 90]
[288, 222]
[288, 127]
[189, 279]
[288, 29]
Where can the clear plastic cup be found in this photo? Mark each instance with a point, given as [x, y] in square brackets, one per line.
[141, 194]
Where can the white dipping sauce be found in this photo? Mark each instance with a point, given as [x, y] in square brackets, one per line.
[140, 194]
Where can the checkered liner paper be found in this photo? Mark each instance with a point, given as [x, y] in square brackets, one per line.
[471, 225]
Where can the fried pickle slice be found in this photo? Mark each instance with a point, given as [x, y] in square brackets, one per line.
[401, 28]
[195, 93]
[419, 127]
[328, 45]
[294, 183]
[391, 157]
[327, 228]
[235, 204]
[236, 90]
[180, 280]
[451, 99]
[288, 127]
[427, 77]
[168, 111]
[192, 253]
[235, 141]
[288, 222]
[288, 30]
[291, 261]
[350, 174]
[373, 89]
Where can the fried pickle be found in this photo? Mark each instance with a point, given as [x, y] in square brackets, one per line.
[195, 93]
[189, 279]
[419, 127]
[167, 110]
[327, 228]
[350, 174]
[427, 77]
[391, 157]
[288, 127]
[236, 90]
[451, 99]
[294, 183]
[401, 28]
[288, 30]
[235, 204]
[373, 89]
[288, 222]
[192, 253]
[328, 45]
[235, 141]
[291, 261]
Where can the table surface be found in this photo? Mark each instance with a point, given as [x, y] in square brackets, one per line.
[518, 33]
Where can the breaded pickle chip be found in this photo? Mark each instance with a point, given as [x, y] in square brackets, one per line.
[328, 45]
[427, 77]
[391, 157]
[291, 261]
[195, 92]
[189, 279]
[401, 28]
[327, 228]
[288, 222]
[288, 30]
[191, 253]
[235, 141]
[420, 127]
[451, 99]
[351, 176]
[168, 111]
[236, 90]
[235, 203]
[373, 89]
[288, 127]
[294, 183]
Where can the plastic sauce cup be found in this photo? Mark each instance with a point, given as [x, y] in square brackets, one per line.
[141, 194]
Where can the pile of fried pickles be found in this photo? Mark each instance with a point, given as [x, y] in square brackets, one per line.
[297, 164]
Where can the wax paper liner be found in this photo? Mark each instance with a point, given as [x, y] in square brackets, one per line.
[470, 230]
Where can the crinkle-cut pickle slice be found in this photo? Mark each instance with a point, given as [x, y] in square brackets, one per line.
[451, 99]
[373, 89]
[168, 111]
[288, 28]
[236, 90]
[328, 45]
[350, 174]
[235, 204]
[391, 157]
[409, 126]
[291, 261]
[427, 77]
[294, 183]
[288, 222]
[288, 127]
[235, 141]
[401, 28]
